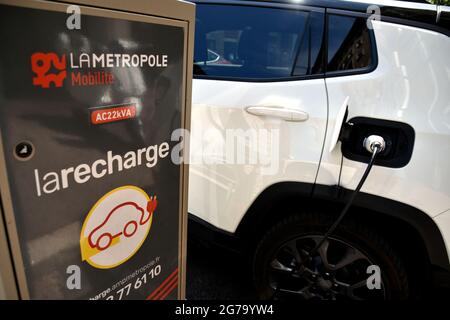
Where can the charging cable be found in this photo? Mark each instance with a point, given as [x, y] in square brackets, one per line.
[374, 144]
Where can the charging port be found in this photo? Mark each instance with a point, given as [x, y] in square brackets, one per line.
[398, 136]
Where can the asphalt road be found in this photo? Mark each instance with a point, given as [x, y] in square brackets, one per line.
[217, 274]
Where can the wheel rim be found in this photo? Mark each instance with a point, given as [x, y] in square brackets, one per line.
[337, 271]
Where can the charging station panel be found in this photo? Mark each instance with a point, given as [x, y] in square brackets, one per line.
[93, 194]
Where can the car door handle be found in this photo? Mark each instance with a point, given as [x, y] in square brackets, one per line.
[288, 114]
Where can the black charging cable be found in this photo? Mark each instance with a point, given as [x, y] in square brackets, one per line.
[375, 149]
[374, 144]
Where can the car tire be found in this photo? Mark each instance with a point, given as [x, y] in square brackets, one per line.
[309, 278]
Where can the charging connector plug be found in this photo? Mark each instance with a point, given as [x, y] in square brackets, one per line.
[374, 143]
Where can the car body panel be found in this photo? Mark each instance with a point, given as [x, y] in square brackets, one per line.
[400, 89]
[223, 192]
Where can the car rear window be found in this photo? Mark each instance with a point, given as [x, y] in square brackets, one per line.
[248, 42]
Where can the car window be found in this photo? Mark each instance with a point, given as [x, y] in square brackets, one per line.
[310, 59]
[247, 42]
[349, 44]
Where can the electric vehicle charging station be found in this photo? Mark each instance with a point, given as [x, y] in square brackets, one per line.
[92, 204]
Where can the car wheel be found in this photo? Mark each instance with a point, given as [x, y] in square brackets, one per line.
[345, 267]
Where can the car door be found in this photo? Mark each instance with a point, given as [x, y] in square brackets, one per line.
[259, 107]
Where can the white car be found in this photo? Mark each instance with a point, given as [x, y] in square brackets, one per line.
[303, 85]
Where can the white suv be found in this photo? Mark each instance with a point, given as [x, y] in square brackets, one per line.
[301, 85]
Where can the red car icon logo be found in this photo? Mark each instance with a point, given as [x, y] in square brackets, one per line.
[124, 219]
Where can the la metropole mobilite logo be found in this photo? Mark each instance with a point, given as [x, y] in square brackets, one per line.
[87, 69]
[41, 64]
[51, 69]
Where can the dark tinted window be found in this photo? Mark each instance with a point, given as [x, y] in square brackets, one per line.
[349, 44]
[311, 53]
[247, 42]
